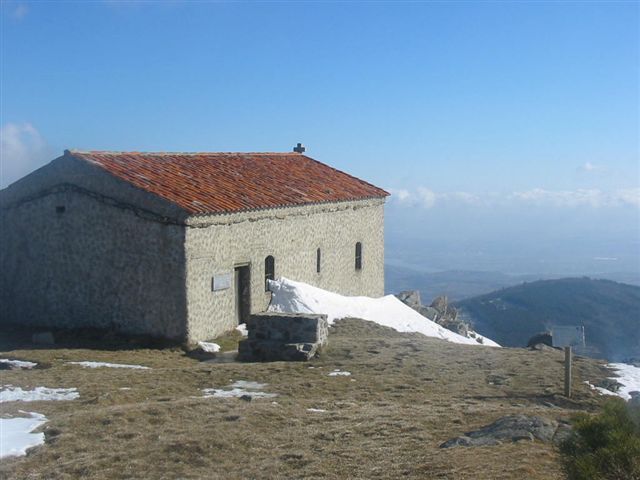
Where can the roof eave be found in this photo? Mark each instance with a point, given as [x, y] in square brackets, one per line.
[281, 207]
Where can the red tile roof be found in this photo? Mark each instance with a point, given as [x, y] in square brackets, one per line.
[230, 182]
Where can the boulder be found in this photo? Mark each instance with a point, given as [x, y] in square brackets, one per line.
[429, 312]
[439, 311]
[410, 298]
[542, 347]
[543, 338]
[441, 304]
[452, 323]
[204, 351]
[610, 384]
[512, 428]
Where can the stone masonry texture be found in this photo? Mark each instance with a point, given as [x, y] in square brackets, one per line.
[69, 259]
[284, 336]
[81, 248]
[292, 236]
[289, 327]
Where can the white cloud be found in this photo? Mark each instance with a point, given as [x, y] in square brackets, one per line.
[401, 195]
[582, 197]
[463, 197]
[594, 198]
[427, 198]
[630, 196]
[591, 168]
[559, 198]
[22, 150]
[424, 197]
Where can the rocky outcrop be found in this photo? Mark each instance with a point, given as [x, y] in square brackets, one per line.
[542, 338]
[440, 311]
[276, 336]
[609, 384]
[513, 428]
[410, 298]
[448, 316]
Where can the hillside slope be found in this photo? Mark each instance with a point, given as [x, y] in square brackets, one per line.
[462, 284]
[610, 312]
[406, 394]
[455, 284]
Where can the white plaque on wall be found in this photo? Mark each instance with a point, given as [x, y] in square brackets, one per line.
[221, 281]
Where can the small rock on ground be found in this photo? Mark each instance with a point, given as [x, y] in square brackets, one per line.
[512, 428]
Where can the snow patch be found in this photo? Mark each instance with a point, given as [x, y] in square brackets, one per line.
[16, 435]
[316, 410]
[209, 347]
[602, 391]
[626, 375]
[248, 385]
[338, 373]
[18, 363]
[242, 328]
[108, 365]
[38, 394]
[238, 389]
[288, 296]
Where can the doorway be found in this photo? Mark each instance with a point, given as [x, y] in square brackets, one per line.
[242, 280]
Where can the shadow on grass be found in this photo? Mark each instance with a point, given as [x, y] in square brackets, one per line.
[16, 337]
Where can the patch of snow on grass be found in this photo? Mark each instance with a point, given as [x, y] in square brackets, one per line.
[109, 365]
[602, 391]
[15, 434]
[209, 347]
[316, 410]
[628, 376]
[242, 328]
[248, 385]
[289, 296]
[238, 389]
[38, 394]
[18, 363]
[338, 373]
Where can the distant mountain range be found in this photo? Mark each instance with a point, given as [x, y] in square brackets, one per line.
[609, 311]
[461, 284]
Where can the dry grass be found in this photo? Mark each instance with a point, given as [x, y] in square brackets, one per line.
[407, 394]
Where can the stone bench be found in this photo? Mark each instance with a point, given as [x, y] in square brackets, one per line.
[284, 336]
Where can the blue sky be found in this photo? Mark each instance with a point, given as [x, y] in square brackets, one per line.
[455, 107]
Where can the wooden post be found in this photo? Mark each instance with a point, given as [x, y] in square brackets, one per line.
[567, 372]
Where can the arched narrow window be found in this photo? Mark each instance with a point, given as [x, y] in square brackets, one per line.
[358, 256]
[269, 271]
[318, 260]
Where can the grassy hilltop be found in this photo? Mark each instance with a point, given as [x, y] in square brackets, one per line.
[405, 396]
